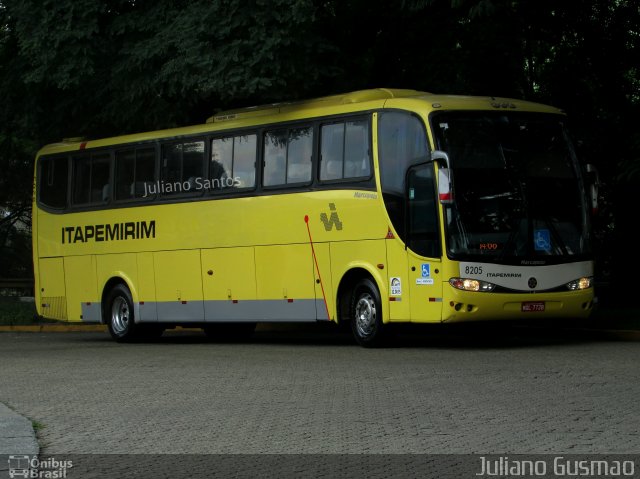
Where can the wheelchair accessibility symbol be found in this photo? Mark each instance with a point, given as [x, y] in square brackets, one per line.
[426, 270]
[542, 240]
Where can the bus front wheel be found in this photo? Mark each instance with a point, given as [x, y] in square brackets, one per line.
[366, 314]
[120, 316]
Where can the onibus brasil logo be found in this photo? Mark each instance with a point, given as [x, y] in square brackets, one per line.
[33, 467]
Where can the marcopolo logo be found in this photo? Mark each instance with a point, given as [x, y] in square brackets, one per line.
[36, 468]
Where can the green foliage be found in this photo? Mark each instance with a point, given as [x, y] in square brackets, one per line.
[120, 66]
[207, 53]
[15, 247]
[104, 67]
[15, 312]
[60, 41]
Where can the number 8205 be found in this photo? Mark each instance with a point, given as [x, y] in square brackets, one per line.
[473, 269]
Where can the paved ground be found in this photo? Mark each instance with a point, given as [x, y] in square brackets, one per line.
[303, 392]
[17, 435]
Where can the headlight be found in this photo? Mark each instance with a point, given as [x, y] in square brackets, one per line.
[582, 283]
[467, 284]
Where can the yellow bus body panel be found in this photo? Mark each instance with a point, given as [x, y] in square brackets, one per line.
[255, 247]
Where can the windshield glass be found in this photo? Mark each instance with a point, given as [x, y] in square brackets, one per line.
[518, 197]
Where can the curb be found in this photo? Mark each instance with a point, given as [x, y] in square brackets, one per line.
[53, 328]
[17, 436]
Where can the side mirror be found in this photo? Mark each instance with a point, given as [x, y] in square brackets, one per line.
[445, 194]
[593, 182]
[440, 157]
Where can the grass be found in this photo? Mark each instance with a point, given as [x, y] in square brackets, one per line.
[37, 426]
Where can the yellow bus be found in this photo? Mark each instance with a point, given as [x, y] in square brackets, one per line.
[367, 208]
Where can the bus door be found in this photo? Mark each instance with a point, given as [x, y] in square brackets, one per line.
[423, 244]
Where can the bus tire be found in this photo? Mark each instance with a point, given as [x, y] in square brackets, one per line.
[119, 314]
[366, 314]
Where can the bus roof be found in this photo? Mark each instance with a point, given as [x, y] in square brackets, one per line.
[360, 100]
[359, 96]
[362, 96]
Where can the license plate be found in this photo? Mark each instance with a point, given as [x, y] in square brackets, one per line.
[532, 306]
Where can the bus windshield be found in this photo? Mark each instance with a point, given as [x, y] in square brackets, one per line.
[518, 193]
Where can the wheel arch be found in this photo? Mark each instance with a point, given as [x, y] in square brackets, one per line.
[348, 281]
[115, 279]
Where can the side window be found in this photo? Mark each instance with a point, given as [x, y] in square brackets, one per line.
[402, 140]
[275, 158]
[423, 234]
[244, 161]
[233, 162]
[287, 156]
[91, 179]
[344, 150]
[331, 143]
[53, 182]
[135, 173]
[182, 167]
[299, 155]
[81, 179]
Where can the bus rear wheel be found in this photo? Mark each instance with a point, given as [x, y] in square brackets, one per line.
[119, 314]
[366, 315]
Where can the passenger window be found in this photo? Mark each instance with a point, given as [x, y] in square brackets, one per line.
[275, 158]
[91, 179]
[344, 150]
[356, 150]
[221, 166]
[233, 162]
[81, 180]
[54, 181]
[299, 155]
[287, 156]
[244, 161]
[125, 174]
[145, 169]
[135, 174]
[332, 141]
[182, 168]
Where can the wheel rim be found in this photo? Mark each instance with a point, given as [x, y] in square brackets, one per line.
[366, 315]
[120, 315]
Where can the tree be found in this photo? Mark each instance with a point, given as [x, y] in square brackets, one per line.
[105, 67]
[100, 68]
